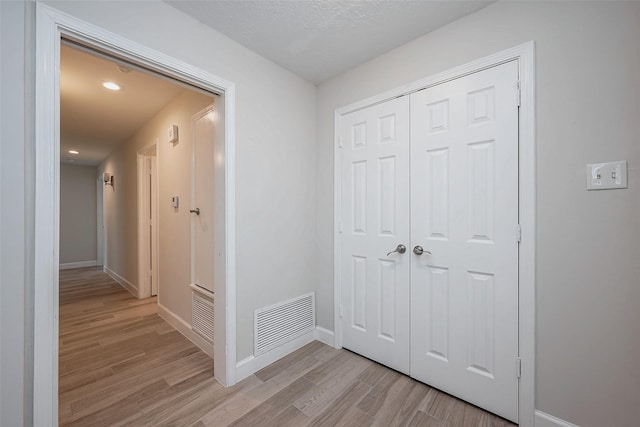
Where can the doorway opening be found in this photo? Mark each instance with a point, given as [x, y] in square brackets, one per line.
[52, 28]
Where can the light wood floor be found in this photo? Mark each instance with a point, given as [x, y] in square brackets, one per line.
[120, 364]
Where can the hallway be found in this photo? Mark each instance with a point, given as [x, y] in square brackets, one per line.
[121, 364]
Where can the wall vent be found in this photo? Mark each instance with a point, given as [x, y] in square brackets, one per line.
[202, 319]
[280, 323]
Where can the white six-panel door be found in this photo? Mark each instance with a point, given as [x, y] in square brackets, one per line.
[464, 210]
[202, 250]
[375, 220]
[448, 183]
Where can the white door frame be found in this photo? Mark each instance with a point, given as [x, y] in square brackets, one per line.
[524, 54]
[144, 252]
[100, 221]
[51, 25]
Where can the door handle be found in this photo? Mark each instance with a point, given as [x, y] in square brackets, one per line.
[418, 250]
[195, 211]
[399, 249]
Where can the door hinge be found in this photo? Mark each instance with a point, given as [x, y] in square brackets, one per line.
[339, 227]
[518, 233]
[340, 142]
[340, 311]
[518, 93]
[518, 367]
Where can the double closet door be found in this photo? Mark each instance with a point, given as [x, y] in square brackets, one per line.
[429, 242]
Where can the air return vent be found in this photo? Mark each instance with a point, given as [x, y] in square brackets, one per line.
[279, 323]
[202, 316]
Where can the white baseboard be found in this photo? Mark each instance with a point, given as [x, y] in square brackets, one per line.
[122, 281]
[325, 336]
[546, 420]
[185, 329]
[252, 364]
[79, 264]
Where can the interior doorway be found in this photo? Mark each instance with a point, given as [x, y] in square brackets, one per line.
[52, 27]
[147, 165]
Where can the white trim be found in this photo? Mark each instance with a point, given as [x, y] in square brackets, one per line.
[545, 420]
[524, 53]
[202, 291]
[185, 329]
[51, 25]
[100, 221]
[133, 290]
[325, 336]
[78, 264]
[253, 364]
[144, 252]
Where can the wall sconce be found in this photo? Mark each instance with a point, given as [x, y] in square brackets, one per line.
[107, 178]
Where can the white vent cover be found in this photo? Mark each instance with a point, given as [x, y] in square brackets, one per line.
[283, 322]
[202, 316]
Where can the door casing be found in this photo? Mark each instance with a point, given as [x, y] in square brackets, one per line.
[524, 54]
[51, 27]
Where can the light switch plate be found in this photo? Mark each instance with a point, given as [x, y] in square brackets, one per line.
[172, 134]
[607, 176]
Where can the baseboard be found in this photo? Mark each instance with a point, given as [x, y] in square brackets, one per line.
[546, 420]
[185, 329]
[252, 364]
[79, 264]
[325, 336]
[122, 281]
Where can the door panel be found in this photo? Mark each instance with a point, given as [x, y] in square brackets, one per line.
[203, 188]
[375, 219]
[464, 210]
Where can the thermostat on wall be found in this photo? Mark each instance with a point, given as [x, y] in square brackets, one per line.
[172, 134]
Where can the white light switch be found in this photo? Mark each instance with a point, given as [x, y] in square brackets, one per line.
[606, 176]
[172, 134]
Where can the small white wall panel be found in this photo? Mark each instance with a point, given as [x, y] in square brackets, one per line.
[481, 349]
[359, 287]
[438, 307]
[387, 187]
[481, 191]
[387, 299]
[438, 193]
[359, 196]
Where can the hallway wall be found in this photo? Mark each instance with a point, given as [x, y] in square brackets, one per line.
[78, 216]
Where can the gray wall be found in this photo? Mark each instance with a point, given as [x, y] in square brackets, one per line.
[15, 215]
[588, 243]
[78, 216]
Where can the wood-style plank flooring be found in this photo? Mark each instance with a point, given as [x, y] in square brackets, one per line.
[120, 364]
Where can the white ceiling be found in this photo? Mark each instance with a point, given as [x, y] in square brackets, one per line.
[319, 39]
[94, 120]
[316, 39]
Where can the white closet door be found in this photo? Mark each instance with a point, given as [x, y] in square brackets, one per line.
[464, 200]
[375, 220]
[202, 254]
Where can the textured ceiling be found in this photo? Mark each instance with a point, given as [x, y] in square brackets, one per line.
[319, 39]
[94, 120]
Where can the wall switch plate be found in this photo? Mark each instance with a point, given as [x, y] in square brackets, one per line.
[175, 201]
[607, 176]
[172, 134]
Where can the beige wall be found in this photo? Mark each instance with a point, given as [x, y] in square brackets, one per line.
[174, 178]
[588, 243]
[78, 216]
[275, 149]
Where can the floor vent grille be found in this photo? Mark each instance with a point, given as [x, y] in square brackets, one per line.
[280, 323]
[202, 318]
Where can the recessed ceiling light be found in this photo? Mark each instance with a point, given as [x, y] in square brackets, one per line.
[111, 86]
[74, 152]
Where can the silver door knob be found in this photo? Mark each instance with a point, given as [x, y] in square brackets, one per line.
[195, 211]
[418, 250]
[399, 249]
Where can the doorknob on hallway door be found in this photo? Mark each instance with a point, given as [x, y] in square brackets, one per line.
[418, 250]
[195, 211]
[399, 249]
